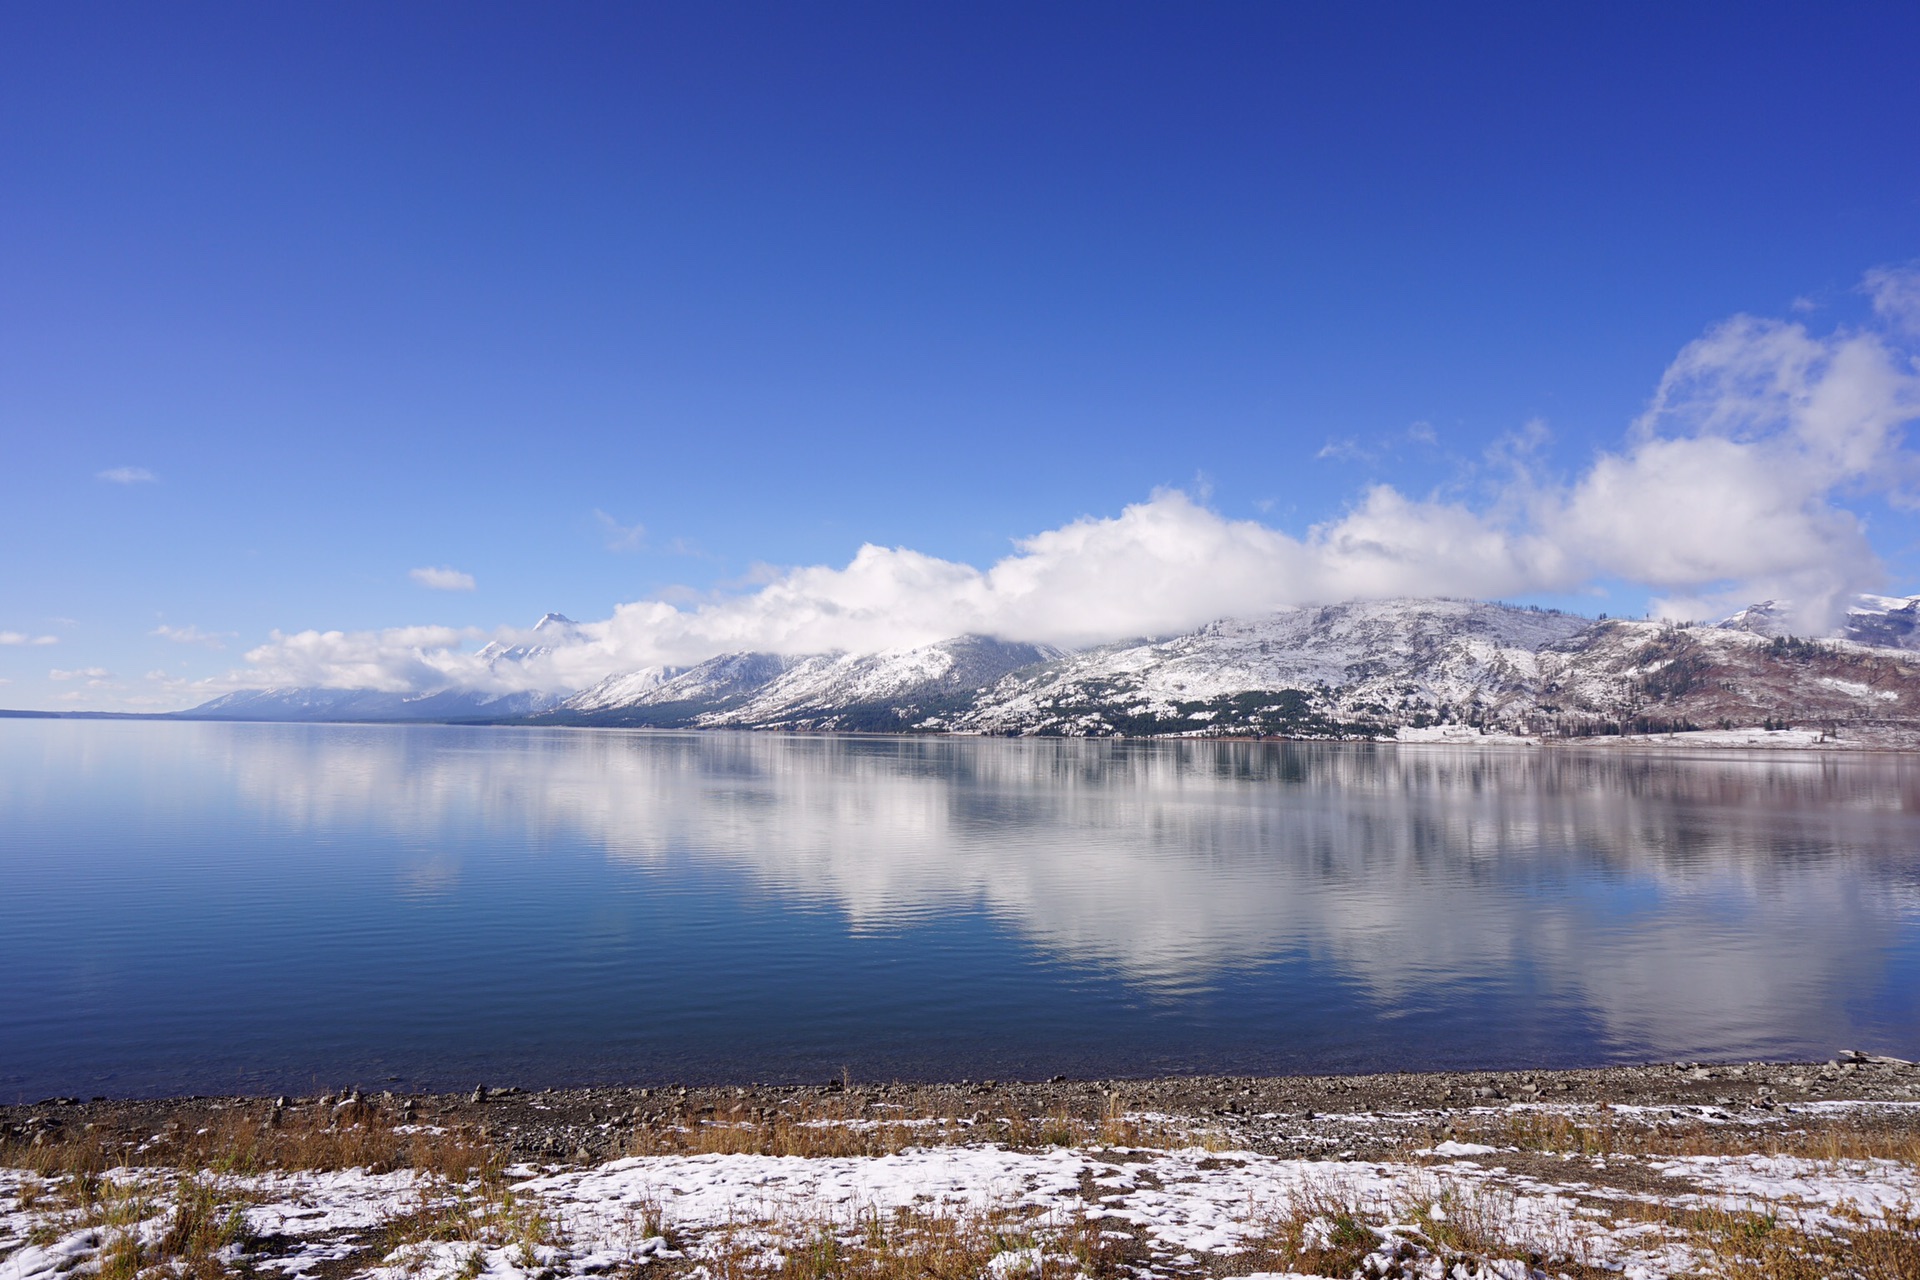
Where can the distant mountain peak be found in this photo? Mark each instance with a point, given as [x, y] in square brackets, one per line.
[556, 628]
[1765, 618]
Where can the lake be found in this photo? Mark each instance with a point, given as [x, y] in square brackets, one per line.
[213, 908]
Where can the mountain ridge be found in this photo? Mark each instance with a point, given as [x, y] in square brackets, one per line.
[1361, 669]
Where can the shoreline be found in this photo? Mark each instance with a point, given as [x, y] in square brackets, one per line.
[1656, 1172]
[1887, 739]
[1280, 1115]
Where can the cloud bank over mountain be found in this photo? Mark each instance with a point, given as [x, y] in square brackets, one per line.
[1733, 486]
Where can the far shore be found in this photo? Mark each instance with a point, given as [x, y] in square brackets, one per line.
[1876, 738]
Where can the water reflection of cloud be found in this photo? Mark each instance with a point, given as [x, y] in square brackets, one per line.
[1689, 901]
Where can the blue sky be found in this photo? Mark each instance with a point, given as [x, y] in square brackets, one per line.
[605, 304]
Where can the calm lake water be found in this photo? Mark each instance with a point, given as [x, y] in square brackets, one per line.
[196, 908]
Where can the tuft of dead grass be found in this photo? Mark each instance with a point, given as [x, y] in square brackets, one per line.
[831, 1127]
[1782, 1242]
[922, 1244]
[483, 1213]
[258, 1138]
[1607, 1133]
[142, 1232]
[1439, 1228]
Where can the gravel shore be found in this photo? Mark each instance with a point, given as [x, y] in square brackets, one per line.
[1361, 1116]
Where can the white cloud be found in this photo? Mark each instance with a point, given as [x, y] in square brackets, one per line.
[1345, 449]
[20, 637]
[1896, 294]
[191, 634]
[126, 475]
[442, 578]
[393, 660]
[94, 676]
[1730, 488]
[617, 536]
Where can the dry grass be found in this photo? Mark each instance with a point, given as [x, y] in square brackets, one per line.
[181, 1226]
[485, 1213]
[1435, 1228]
[830, 1127]
[257, 1138]
[1781, 1242]
[922, 1245]
[1607, 1133]
[138, 1232]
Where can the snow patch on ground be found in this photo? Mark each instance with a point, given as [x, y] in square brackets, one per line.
[1181, 1205]
[1462, 735]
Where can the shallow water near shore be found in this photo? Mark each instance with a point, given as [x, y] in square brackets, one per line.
[201, 908]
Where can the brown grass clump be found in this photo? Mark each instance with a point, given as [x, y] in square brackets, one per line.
[1323, 1233]
[203, 1220]
[1607, 1134]
[831, 1127]
[1778, 1242]
[259, 1137]
[1443, 1228]
[803, 1128]
[485, 1213]
[923, 1245]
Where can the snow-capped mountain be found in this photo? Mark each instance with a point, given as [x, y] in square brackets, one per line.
[1360, 669]
[1372, 668]
[893, 689]
[666, 696]
[554, 629]
[1308, 669]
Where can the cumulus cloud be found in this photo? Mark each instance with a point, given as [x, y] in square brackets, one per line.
[21, 637]
[442, 578]
[94, 676]
[1731, 487]
[393, 660]
[127, 475]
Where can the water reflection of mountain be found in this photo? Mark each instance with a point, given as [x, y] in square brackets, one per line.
[1678, 900]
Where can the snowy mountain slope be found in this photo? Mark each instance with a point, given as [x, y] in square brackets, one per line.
[894, 689]
[1370, 663]
[1887, 622]
[629, 688]
[1712, 676]
[664, 698]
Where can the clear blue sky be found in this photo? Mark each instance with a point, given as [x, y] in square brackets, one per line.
[368, 288]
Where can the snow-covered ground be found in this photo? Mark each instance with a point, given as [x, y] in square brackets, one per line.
[1463, 735]
[1182, 1212]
